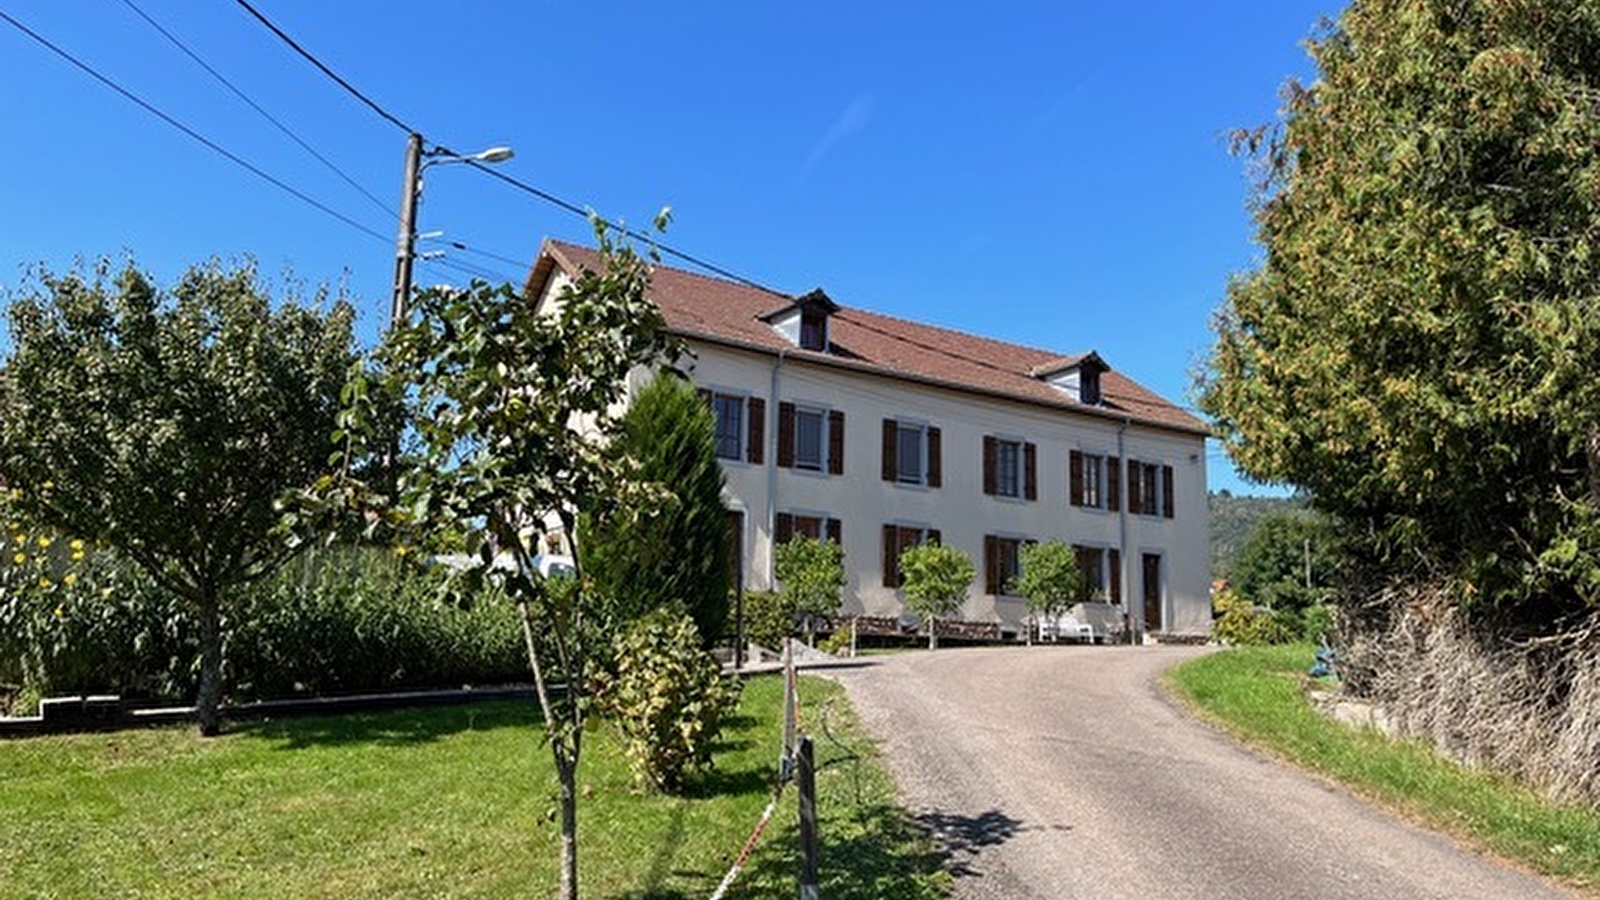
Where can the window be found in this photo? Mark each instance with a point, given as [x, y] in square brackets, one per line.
[813, 328]
[741, 425]
[1002, 563]
[1150, 489]
[810, 438]
[912, 453]
[1102, 573]
[1086, 480]
[812, 525]
[729, 411]
[1010, 468]
[896, 538]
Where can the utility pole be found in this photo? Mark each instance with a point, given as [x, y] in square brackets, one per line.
[405, 243]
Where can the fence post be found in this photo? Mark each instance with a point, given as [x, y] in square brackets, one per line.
[808, 823]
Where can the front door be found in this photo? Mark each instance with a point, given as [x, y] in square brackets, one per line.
[1152, 591]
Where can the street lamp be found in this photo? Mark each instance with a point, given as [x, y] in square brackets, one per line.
[410, 191]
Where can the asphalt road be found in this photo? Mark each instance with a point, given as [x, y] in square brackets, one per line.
[1061, 772]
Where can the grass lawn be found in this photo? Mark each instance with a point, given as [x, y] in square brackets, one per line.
[1257, 694]
[452, 802]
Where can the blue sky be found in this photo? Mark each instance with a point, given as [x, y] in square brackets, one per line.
[1054, 174]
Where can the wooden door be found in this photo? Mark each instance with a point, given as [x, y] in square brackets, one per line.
[1152, 591]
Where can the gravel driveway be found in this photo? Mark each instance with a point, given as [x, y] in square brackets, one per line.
[1060, 772]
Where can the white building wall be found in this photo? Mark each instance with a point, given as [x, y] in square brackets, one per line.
[864, 502]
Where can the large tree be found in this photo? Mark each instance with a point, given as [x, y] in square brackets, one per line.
[1418, 346]
[679, 553]
[514, 415]
[166, 425]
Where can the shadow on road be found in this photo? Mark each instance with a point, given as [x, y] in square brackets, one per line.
[961, 838]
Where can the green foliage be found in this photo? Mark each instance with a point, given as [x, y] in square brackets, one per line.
[810, 578]
[1271, 569]
[769, 619]
[514, 408]
[340, 620]
[1418, 346]
[1050, 578]
[668, 697]
[837, 643]
[166, 425]
[1317, 622]
[1233, 519]
[1240, 623]
[676, 551]
[935, 579]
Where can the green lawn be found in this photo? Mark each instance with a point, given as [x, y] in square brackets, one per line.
[1257, 694]
[453, 802]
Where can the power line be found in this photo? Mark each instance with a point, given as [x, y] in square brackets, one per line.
[544, 195]
[257, 107]
[371, 104]
[210, 144]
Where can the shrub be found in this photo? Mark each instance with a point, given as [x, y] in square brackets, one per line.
[769, 619]
[1241, 623]
[838, 643]
[668, 696]
[810, 577]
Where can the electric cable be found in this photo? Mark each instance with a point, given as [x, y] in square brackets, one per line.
[237, 92]
[307, 55]
[197, 136]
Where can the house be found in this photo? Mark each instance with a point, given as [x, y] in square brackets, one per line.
[881, 433]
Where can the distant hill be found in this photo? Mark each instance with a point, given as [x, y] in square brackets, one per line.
[1233, 518]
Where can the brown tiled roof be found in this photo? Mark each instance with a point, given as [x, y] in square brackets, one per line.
[726, 312]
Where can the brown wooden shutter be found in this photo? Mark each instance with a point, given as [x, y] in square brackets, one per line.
[835, 531]
[891, 556]
[1135, 486]
[989, 445]
[934, 537]
[891, 433]
[783, 528]
[1167, 505]
[755, 451]
[786, 434]
[1085, 578]
[1075, 478]
[935, 457]
[836, 442]
[1030, 472]
[1113, 483]
[1116, 574]
[991, 564]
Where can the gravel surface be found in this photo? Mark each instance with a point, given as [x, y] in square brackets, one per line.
[1060, 772]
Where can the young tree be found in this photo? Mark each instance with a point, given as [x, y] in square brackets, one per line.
[679, 554]
[810, 579]
[166, 425]
[935, 579]
[1050, 580]
[513, 408]
[1419, 343]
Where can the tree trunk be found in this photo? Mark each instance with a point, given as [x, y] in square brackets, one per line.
[207, 705]
[568, 773]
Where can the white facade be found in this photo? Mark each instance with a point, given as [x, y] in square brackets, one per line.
[863, 502]
[1156, 559]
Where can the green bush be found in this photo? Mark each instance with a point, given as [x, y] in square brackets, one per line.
[668, 696]
[1239, 622]
[838, 643]
[78, 620]
[769, 619]
[1316, 622]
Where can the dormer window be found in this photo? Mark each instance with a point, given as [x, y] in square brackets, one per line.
[804, 322]
[1077, 377]
[813, 329]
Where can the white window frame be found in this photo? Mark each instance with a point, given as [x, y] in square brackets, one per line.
[822, 461]
[1015, 444]
[920, 429]
[741, 429]
[1094, 479]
